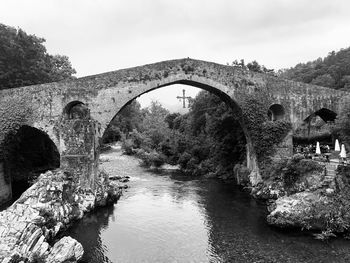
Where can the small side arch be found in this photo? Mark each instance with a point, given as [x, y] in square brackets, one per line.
[76, 110]
[276, 112]
[325, 114]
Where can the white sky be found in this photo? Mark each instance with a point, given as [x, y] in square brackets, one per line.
[167, 96]
[106, 35]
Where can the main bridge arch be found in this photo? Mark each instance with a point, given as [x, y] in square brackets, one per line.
[105, 112]
[104, 107]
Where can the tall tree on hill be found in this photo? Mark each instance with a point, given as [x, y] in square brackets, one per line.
[24, 60]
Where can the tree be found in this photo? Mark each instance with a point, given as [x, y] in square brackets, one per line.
[346, 82]
[252, 66]
[24, 60]
[170, 118]
[210, 140]
[127, 119]
[325, 80]
[154, 125]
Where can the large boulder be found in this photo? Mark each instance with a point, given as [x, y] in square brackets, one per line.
[301, 210]
[66, 249]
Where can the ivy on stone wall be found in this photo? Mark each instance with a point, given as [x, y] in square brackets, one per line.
[264, 134]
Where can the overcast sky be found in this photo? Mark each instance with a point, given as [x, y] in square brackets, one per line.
[106, 35]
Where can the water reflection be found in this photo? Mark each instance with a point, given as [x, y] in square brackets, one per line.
[173, 218]
[89, 230]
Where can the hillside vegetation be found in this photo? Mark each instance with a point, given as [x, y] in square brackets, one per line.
[333, 71]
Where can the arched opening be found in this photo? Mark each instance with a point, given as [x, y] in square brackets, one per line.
[317, 127]
[326, 115]
[28, 153]
[213, 115]
[76, 110]
[276, 112]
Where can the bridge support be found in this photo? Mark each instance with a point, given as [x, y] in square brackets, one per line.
[285, 148]
[78, 143]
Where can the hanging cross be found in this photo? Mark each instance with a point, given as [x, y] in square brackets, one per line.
[184, 98]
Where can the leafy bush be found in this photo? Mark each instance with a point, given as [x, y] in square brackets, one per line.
[150, 159]
[184, 159]
[127, 146]
[331, 214]
[112, 134]
[157, 159]
[290, 170]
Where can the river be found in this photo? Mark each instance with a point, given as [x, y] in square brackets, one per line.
[169, 217]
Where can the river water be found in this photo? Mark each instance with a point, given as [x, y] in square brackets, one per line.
[169, 217]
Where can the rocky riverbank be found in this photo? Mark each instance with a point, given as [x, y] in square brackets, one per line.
[326, 209]
[29, 227]
[309, 195]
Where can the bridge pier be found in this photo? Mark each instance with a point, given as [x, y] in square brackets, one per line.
[78, 143]
[285, 148]
[252, 165]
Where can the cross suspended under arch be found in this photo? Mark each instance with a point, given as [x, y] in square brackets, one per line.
[184, 98]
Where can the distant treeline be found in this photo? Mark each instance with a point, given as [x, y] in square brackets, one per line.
[333, 71]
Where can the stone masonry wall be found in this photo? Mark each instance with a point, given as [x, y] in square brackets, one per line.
[79, 152]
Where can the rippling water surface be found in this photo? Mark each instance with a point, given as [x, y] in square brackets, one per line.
[168, 217]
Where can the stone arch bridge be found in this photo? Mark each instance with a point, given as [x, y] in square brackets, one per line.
[48, 108]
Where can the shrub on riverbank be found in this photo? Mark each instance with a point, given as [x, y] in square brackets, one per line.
[292, 172]
[151, 159]
[128, 147]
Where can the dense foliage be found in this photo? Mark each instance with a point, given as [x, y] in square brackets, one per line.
[24, 60]
[331, 214]
[263, 133]
[289, 171]
[214, 138]
[252, 66]
[128, 119]
[208, 140]
[332, 71]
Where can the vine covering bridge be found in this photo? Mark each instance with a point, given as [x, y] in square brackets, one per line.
[72, 115]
